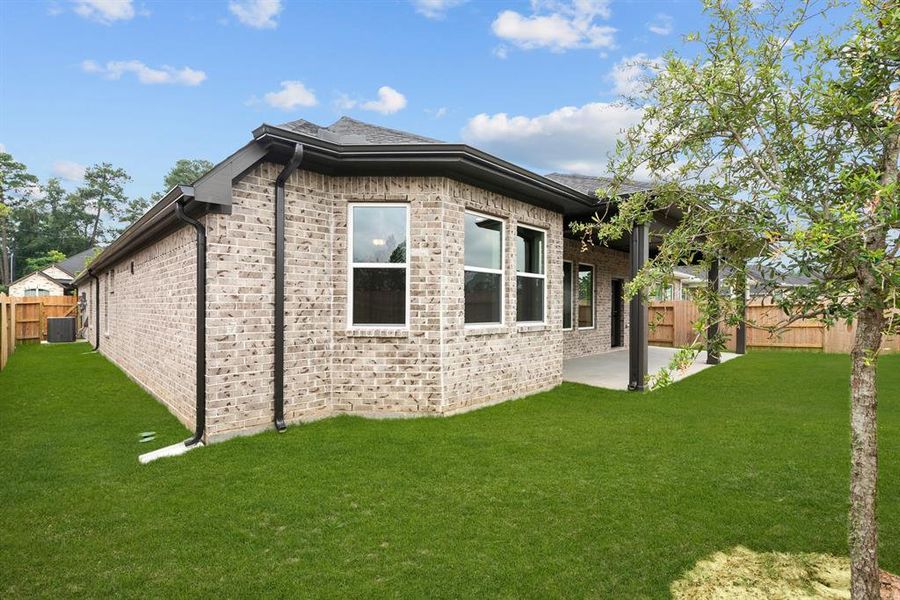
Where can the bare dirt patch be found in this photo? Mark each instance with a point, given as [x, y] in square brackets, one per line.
[742, 574]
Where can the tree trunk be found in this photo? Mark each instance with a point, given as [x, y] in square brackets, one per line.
[865, 576]
[5, 275]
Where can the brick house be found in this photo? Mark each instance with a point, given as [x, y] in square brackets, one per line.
[55, 280]
[362, 270]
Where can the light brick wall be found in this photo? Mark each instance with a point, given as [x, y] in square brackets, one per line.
[608, 265]
[488, 365]
[435, 366]
[36, 281]
[147, 324]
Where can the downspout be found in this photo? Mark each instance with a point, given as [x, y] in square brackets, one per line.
[292, 165]
[200, 367]
[96, 308]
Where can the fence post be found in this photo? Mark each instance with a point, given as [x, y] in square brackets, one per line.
[4, 333]
[712, 330]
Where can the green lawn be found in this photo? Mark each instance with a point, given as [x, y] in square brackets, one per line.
[577, 492]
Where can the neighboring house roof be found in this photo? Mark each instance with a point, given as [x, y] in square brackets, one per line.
[39, 274]
[76, 263]
[589, 184]
[696, 274]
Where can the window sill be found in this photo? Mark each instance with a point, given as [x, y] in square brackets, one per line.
[475, 330]
[387, 332]
[530, 327]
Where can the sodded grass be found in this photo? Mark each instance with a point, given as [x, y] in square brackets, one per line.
[575, 492]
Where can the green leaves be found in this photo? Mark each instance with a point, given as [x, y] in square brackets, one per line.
[777, 141]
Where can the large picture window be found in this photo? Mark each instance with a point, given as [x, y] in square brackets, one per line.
[567, 295]
[530, 274]
[585, 296]
[379, 265]
[483, 269]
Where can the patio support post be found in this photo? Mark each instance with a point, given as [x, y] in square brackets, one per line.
[712, 330]
[740, 338]
[638, 327]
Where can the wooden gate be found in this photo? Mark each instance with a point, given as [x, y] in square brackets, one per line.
[32, 312]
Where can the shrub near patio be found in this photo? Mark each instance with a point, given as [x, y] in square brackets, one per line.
[573, 492]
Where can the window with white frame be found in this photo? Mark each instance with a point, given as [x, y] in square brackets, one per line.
[585, 296]
[531, 269]
[483, 270]
[567, 295]
[379, 265]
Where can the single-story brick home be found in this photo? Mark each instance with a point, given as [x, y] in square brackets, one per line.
[361, 270]
[55, 280]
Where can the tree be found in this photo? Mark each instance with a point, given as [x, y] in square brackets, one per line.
[185, 172]
[40, 263]
[14, 183]
[103, 195]
[778, 141]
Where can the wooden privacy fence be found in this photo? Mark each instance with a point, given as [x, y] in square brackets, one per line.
[671, 324]
[7, 329]
[32, 312]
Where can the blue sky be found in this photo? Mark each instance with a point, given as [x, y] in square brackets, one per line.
[142, 84]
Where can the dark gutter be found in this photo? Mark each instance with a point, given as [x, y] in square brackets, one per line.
[292, 165]
[458, 161]
[200, 367]
[96, 279]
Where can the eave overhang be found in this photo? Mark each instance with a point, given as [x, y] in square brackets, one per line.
[457, 161]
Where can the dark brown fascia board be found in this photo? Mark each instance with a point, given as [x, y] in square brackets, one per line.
[141, 232]
[458, 161]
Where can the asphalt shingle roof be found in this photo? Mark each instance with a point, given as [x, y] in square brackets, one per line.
[76, 263]
[589, 184]
[350, 131]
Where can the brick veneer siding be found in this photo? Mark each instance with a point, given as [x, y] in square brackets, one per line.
[608, 265]
[147, 324]
[434, 366]
[36, 281]
[485, 365]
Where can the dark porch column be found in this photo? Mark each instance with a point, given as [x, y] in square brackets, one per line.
[638, 330]
[740, 338]
[712, 330]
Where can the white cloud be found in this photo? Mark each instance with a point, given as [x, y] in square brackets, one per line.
[165, 74]
[571, 139]
[389, 101]
[437, 113]
[501, 52]
[2, 147]
[557, 26]
[662, 25]
[104, 11]
[259, 14]
[435, 9]
[631, 74]
[291, 95]
[68, 170]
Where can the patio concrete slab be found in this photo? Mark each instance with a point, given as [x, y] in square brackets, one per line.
[610, 369]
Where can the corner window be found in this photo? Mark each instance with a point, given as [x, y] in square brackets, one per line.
[483, 270]
[379, 265]
[585, 296]
[530, 274]
[567, 295]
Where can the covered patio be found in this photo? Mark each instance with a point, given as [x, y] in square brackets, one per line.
[611, 369]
